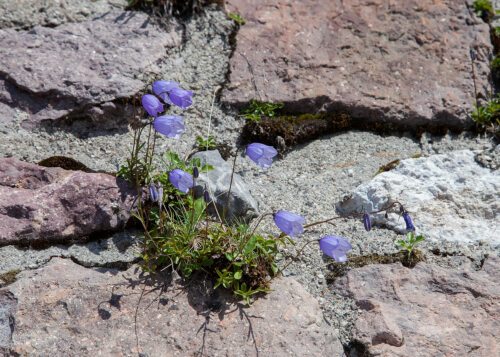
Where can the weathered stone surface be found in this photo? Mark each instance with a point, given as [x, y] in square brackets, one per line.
[450, 196]
[69, 310]
[41, 204]
[241, 203]
[81, 69]
[29, 13]
[426, 311]
[403, 62]
[118, 251]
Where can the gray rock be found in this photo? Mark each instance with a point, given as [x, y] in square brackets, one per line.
[64, 309]
[241, 203]
[425, 311]
[81, 69]
[404, 62]
[489, 158]
[43, 204]
[28, 13]
[118, 251]
[450, 197]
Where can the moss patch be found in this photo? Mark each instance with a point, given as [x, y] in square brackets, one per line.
[9, 277]
[388, 167]
[289, 130]
[64, 162]
[340, 269]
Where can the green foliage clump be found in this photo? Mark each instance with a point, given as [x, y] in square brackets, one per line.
[256, 110]
[484, 9]
[186, 240]
[237, 18]
[488, 114]
[410, 242]
[206, 143]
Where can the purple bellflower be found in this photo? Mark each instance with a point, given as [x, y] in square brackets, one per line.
[335, 247]
[152, 105]
[173, 94]
[289, 223]
[409, 224]
[153, 193]
[181, 180]
[261, 154]
[156, 193]
[172, 126]
[162, 88]
[180, 97]
[367, 221]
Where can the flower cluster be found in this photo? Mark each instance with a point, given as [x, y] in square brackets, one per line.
[167, 93]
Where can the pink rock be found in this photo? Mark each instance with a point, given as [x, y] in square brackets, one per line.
[426, 311]
[403, 62]
[77, 311]
[41, 204]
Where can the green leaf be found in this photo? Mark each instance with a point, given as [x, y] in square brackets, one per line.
[238, 274]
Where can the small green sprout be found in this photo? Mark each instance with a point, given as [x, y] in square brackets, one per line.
[484, 9]
[206, 143]
[237, 18]
[410, 242]
[256, 110]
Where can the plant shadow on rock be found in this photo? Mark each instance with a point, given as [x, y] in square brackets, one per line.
[201, 295]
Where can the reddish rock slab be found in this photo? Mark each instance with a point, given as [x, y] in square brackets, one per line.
[42, 204]
[69, 310]
[401, 62]
[84, 69]
[426, 311]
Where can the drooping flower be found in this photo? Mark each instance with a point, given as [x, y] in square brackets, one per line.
[367, 221]
[261, 154]
[289, 223]
[335, 247]
[196, 172]
[162, 88]
[181, 180]
[173, 94]
[408, 221]
[172, 126]
[206, 196]
[153, 193]
[152, 105]
[180, 97]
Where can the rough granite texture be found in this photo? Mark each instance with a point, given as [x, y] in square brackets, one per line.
[63, 309]
[119, 251]
[450, 197]
[87, 68]
[403, 62]
[28, 13]
[426, 311]
[42, 204]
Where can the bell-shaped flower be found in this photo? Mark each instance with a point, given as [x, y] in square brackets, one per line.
[180, 97]
[335, 247]
[261, 154]
[367, 221]
[153, 193]
[162, 88]
[289, 223]
[152, 105]
[172, 126]
[181, 180]
[409, 224]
